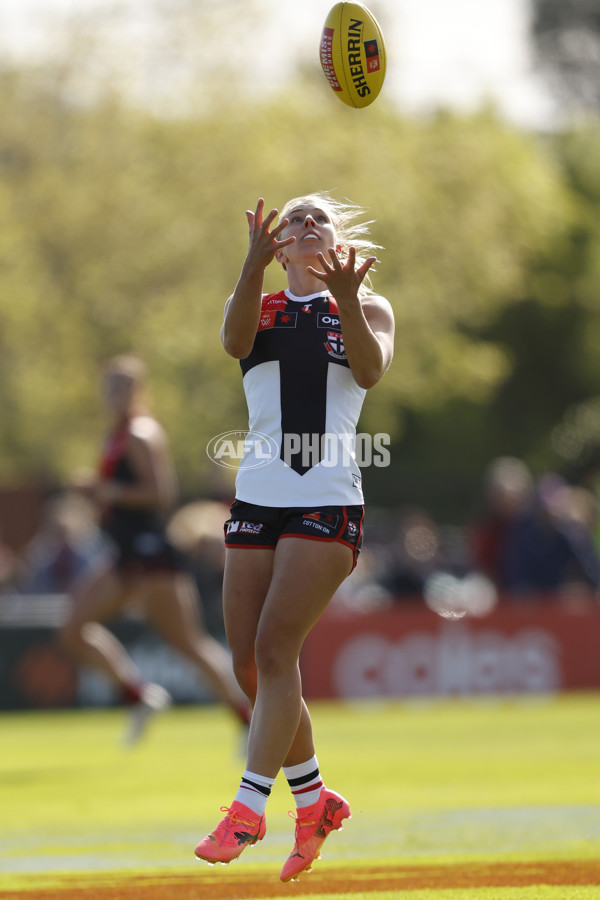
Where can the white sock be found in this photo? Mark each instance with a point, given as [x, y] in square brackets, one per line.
[254, 791]
[305, 782]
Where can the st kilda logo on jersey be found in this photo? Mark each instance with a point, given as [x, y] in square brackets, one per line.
[335, 345]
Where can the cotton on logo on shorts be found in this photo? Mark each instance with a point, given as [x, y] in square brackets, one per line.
[318, 525]
[230, 447]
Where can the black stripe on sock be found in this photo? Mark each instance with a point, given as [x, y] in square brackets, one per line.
[294, 782]
[257, 787]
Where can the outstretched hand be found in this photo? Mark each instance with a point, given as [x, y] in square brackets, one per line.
[342, 279]
[263, 244]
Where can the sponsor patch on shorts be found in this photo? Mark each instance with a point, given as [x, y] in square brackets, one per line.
[320, 521]
[244, 527]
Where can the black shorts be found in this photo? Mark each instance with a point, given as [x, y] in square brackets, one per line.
[146, 553]
[255, 527]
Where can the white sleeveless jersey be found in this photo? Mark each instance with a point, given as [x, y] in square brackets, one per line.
[303, 406]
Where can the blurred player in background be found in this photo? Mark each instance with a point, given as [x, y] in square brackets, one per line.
[135, 489]
[307, 354]
[196, 528]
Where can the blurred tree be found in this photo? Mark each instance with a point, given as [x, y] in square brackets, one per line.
[122, 230]
[547, 407]
[575, 282]
[566, 36]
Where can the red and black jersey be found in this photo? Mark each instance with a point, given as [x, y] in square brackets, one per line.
[113, 464]
[136, 533]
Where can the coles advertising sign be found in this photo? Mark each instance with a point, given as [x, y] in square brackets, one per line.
[405, 653]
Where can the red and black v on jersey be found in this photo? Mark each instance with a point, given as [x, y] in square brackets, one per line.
[298, 383]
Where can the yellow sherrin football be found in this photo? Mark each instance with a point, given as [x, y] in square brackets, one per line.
[353, 54]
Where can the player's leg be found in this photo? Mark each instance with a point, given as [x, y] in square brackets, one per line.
[102, 597]
[245, 584]
[247, 577]
[98, 598]
[306, 574]
[246, 581]
[250, 576]
[173, 609]
[248, 573]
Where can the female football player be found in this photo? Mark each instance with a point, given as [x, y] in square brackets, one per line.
[308, 355]
[134, 490]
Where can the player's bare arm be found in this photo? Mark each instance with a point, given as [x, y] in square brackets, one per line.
[367, 323]
[242, 310]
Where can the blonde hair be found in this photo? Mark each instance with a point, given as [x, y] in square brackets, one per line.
[346, 219]
[127, 365]
[133, 370]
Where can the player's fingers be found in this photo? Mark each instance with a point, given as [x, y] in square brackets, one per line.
[258, 214]
[362, 271]
[324, 262]
[269, 219]
[286, 241]
[279, 228]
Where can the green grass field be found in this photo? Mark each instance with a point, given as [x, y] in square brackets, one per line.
[447, 783]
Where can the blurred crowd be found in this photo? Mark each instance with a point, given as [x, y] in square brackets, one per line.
[69, 544]
[532, 539]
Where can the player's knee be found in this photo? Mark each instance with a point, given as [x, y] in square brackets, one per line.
[273, 654]
[246, 676]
